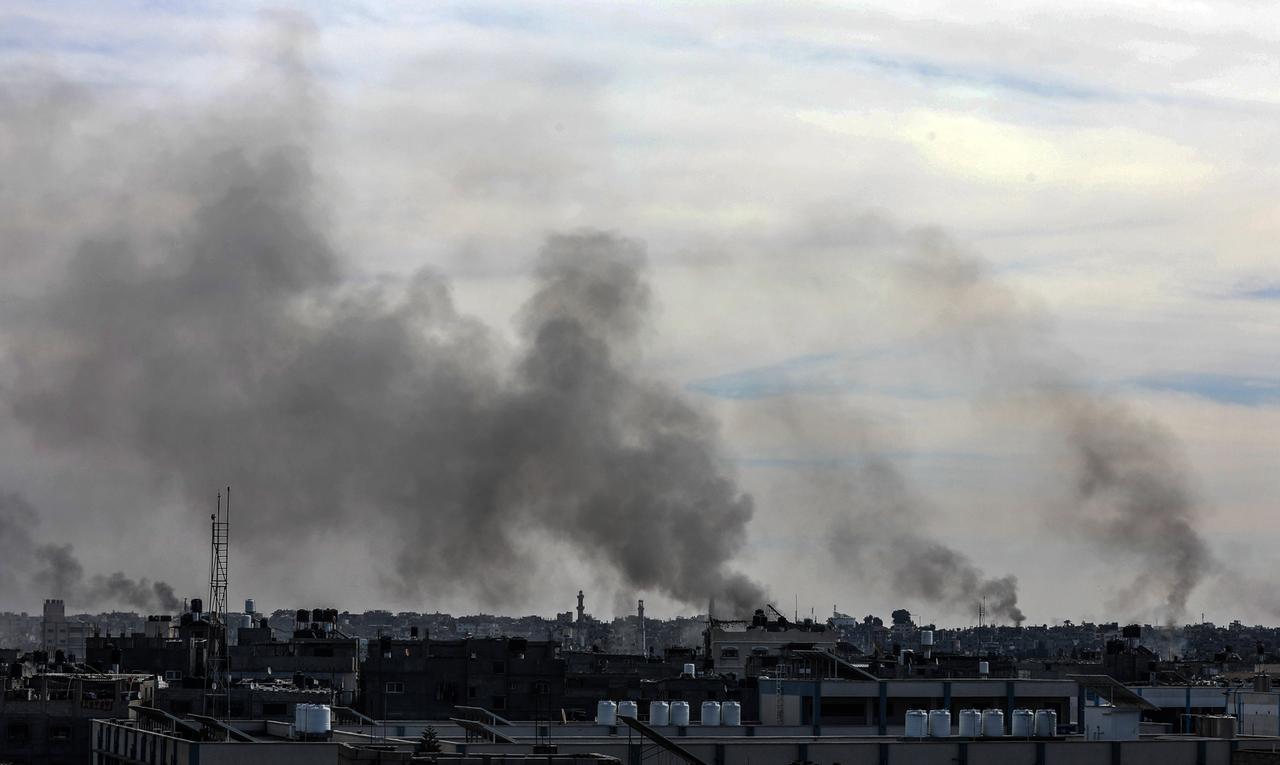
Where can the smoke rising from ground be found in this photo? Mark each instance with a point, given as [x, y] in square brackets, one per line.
[1129, 490]
[55, 571]
[883, 534]
[211, 330]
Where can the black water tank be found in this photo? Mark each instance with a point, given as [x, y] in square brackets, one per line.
[197, 605]
[413, 633]
[302, 616]
[317, 614]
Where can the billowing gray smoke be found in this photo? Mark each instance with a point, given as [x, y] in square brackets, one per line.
[1128, 486]
[53, 570]
[225, 341]
[883, 535]
[61, 575]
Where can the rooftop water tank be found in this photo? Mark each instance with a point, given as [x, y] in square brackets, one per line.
[249, 607]
[680, 713]
[606, 713]
[984, 669]
[319, 719]
[992, 723]
[926, 637]
[970, 723]
[659, 713]
[300, 718]
[731, 713]
[1046, 723]
[629, 709]
[939, 723]
[691, 670]
[1023, 723]
[917, 723]
[710, 713]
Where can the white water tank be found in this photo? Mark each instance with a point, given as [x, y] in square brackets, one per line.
[691, 670]
[984, 669]
[1023, 723]
[1046, 723]
[710, 713]
[992, 723]
[300, 720]
[731, 713]
[659, 713]
[926, 637]
[629, 709]
[680, 713]
[606, 713]
[319, 719]
[939, 723]
[917, 723]
[970, 723]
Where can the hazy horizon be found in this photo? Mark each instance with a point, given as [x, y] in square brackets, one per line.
[476, 305]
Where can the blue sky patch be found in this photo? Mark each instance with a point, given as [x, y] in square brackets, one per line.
[1226, 389]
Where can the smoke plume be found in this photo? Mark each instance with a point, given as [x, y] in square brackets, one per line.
[882, 534]
[54, 570]
[209, 329]
[1128, 485]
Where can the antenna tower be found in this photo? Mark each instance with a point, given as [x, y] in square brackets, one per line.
[219, 522]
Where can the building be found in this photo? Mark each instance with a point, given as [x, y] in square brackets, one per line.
[756, 647]
[46, 718]
[325, 656]
[420, 679]
[58, 633]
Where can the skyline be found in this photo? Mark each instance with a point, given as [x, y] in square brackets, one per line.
[1106, 174]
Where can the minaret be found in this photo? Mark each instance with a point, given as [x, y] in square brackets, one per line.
[642, 641]
[581, 625]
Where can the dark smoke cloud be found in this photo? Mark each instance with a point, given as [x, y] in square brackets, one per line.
[54, 570]
[17, 519]
[882, 533]
[1129, 487]
[226, 341]
[61, 575]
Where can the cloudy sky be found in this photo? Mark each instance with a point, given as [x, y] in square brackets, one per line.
[1110, 167]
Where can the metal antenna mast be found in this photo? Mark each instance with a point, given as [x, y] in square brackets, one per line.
[217, 656]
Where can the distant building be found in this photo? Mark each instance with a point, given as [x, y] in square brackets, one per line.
[758, 646]
[58, 633]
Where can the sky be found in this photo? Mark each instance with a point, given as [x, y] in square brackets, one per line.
[1109, 167]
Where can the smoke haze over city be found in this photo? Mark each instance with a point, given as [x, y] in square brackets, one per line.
[475, 308]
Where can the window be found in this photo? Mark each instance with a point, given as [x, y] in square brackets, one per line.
[541, 687]
[395, 687]
[60, 733]
[499, 702]
[499, 667]
[19, 732]
[172, 674]
[729, 653]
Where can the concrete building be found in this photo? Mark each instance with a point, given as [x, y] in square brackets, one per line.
[425, 679]
[329, 659]
[58, 633]
[756, 647]
[46, 718]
